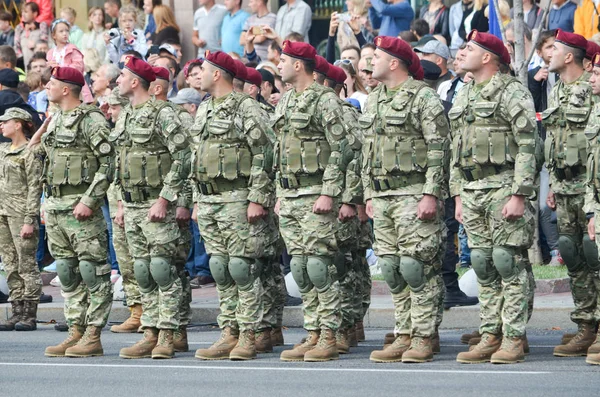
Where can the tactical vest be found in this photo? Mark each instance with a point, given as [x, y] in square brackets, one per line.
[70, 165]
[303, 151]
[484, 144]
[394, 152]
[565, 150]
[222, 156]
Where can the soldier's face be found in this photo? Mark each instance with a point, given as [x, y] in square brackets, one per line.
[557, 61]
[286, 69]
[472, 58]
[54, 90]
[8, 128]
[124, 82]
[380, 64]
[595, 80]
[206, 77]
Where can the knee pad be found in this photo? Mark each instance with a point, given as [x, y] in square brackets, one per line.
[90, 278]
[241, 272]
[390, 269]
[590, 251]
[162, 272]
[567, 246]
[68, 274]
[141, 271]
[505, 264]
[298, 266]
[219, 269]
[413, 272]
[481, 260]
[318, 271]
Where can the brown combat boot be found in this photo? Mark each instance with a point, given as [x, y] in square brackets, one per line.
[325, 350]
[482, 352]
[579, 344]
[263, 342]
[360, 331]
[17, 313]
[29, 318]
[277, 336]
[298, 352]
[511, 352]
[566, 338]
[221, 348]
[164, 348]
[180, 340]
[245, 348]
[465, 338]
[132, 324]
[393, 353]
[342, 344]
[593, 359]
[75, 334]
[351, 333]
[389, 338]
[474, 341]
[143, 348]
[89, 345]
[435, 343]
[420, 350]
[595, 347]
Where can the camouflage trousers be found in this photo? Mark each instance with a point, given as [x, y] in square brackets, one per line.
[184, 245]
[148, 240]
[86, 240]
[363, 270]
[308, 234]
[400, 233]
[226, 232]
[571, 221]
[18, 256]
[347, 236]
[271, 276]
[503, 303]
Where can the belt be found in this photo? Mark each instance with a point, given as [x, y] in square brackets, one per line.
[568, 173]
[397, 181]
[138, 194]
[65, 190]
[217, 186]
[478, 172]
[292, 181]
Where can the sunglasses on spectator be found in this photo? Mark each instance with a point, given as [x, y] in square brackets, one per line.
[346, 62]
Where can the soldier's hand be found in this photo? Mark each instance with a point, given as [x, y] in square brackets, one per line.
[369, 208]
[158, 211]
[458, 210]
[592, 228]
[26, 231]
[82, 212]
[346, 212]
[427, 208]
[515, 208]
[120, 215]
[362, 214]
[551, 200]
[195, 213]
[256, 212]
[323, 205]
[182, 216]
[37, 137]
[277, 207]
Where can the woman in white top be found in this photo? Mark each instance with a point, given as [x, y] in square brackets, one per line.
[354, 86]
[95, 37]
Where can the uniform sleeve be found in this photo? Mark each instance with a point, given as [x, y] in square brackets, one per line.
[33, 170]
[456, 179]
[176, 140]
[353, 190]
[96, 132]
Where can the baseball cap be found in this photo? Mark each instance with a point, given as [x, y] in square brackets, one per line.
[434, 47]
[9, 78]
[268, 76]
[187, 95]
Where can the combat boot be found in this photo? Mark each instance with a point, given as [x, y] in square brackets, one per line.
[29, 318]
[351, 334]
[420, 350]
[482, 352]
[393, 353]
[342, 343]
[595, 347]
[17, 313]
[511, 352]
[579, 344]
[180, 340]
[143, 348]
[245, 348]
[435, 343]
[465, 338]
[298, 352]
[164, 347]
[89, 345]
[566, 338]
[389, 338]
[220, 349]
[132, 324]
[75, 334]
[325, 350]
[277, 336]
[263, 342]
[360, 331]
[593, 359]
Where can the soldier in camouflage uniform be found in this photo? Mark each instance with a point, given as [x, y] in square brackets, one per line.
[152, 164]
[493, 169]
[592, 201]
[569, 106]
[20, 190]
[77, 170]
[313, 151]
[231, 163]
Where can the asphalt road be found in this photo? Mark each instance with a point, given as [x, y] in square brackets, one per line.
[25, 371]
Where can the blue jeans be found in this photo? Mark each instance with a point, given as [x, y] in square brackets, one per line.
[465, 251]
[197, 262]
[112, 257]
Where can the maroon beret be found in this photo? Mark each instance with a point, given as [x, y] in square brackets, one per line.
[571, 39]
[140, 68]
[591, 49]
[253, 76]
[222, 61]
[336, 74]
[396, 47]
[490, 43]
[596, 59]
[161, 73]
[321, 65]
[68, 75]
[240, 70]
[415, 68]
[299, 50]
